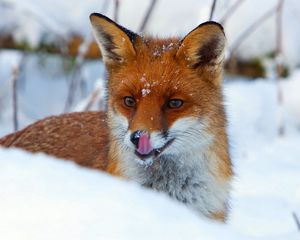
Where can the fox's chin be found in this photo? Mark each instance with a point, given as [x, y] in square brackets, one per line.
[147, 162]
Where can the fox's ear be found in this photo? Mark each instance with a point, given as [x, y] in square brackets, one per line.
[115, 41]
[203, 46]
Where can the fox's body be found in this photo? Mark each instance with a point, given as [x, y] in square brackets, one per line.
[74, 136]
[165, 126]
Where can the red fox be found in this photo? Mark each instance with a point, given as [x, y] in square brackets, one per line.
[165, 126]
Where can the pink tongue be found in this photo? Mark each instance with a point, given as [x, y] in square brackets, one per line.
[144, 146]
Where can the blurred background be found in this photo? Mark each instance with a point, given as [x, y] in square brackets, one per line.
[50, 64]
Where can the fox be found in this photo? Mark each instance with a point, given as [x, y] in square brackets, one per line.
[165, 123]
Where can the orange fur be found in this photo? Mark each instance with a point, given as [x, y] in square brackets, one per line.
[69, 136]
[152, 71]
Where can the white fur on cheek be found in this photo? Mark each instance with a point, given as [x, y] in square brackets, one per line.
[127, 140]
[190, 135]
[184, 124]
[118, 125]
[157, 140]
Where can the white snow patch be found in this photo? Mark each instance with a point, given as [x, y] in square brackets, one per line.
[45, 198]
[145, 91]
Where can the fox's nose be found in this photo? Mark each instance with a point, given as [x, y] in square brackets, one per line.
[141, 140]
[135, 137]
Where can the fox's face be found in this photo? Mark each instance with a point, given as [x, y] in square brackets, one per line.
[164, 95]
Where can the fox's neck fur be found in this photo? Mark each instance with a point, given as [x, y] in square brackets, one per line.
[187, 178]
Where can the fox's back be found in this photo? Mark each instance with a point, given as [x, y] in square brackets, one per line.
[81, 137]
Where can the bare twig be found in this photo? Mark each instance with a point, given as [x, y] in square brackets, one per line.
[213, 6]
[15, 76]
[279, 10]
[230, 11]
[76, 74]
[147, 16]
[93, 99]
[297, 221]
[279, 65]
[72, 87]
[251, 29]
[116, 13]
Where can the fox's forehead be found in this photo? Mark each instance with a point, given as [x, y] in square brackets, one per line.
[157, 85]
[154, 48]
[154, 67]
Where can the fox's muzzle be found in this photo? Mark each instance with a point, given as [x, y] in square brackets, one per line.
[141, 140]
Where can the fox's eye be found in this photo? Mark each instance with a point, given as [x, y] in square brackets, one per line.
[175, 103]
[129, 102]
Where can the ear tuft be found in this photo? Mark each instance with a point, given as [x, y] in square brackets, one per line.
[116, 42]
[204, 45]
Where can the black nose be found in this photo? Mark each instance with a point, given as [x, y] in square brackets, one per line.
[135, 136]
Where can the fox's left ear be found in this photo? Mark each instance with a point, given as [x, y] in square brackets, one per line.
[116, 42]
[203, 46]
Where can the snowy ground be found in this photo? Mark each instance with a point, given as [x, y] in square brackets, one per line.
[44, 198]
[267, 184]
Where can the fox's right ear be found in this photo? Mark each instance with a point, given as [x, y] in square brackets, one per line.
[115, 41]
[203, 46]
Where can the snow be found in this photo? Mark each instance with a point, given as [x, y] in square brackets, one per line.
[267, 167]
[291, 99]
[45, 198]
[145, 91]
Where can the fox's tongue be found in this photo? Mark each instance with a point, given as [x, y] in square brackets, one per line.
[144, 146]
